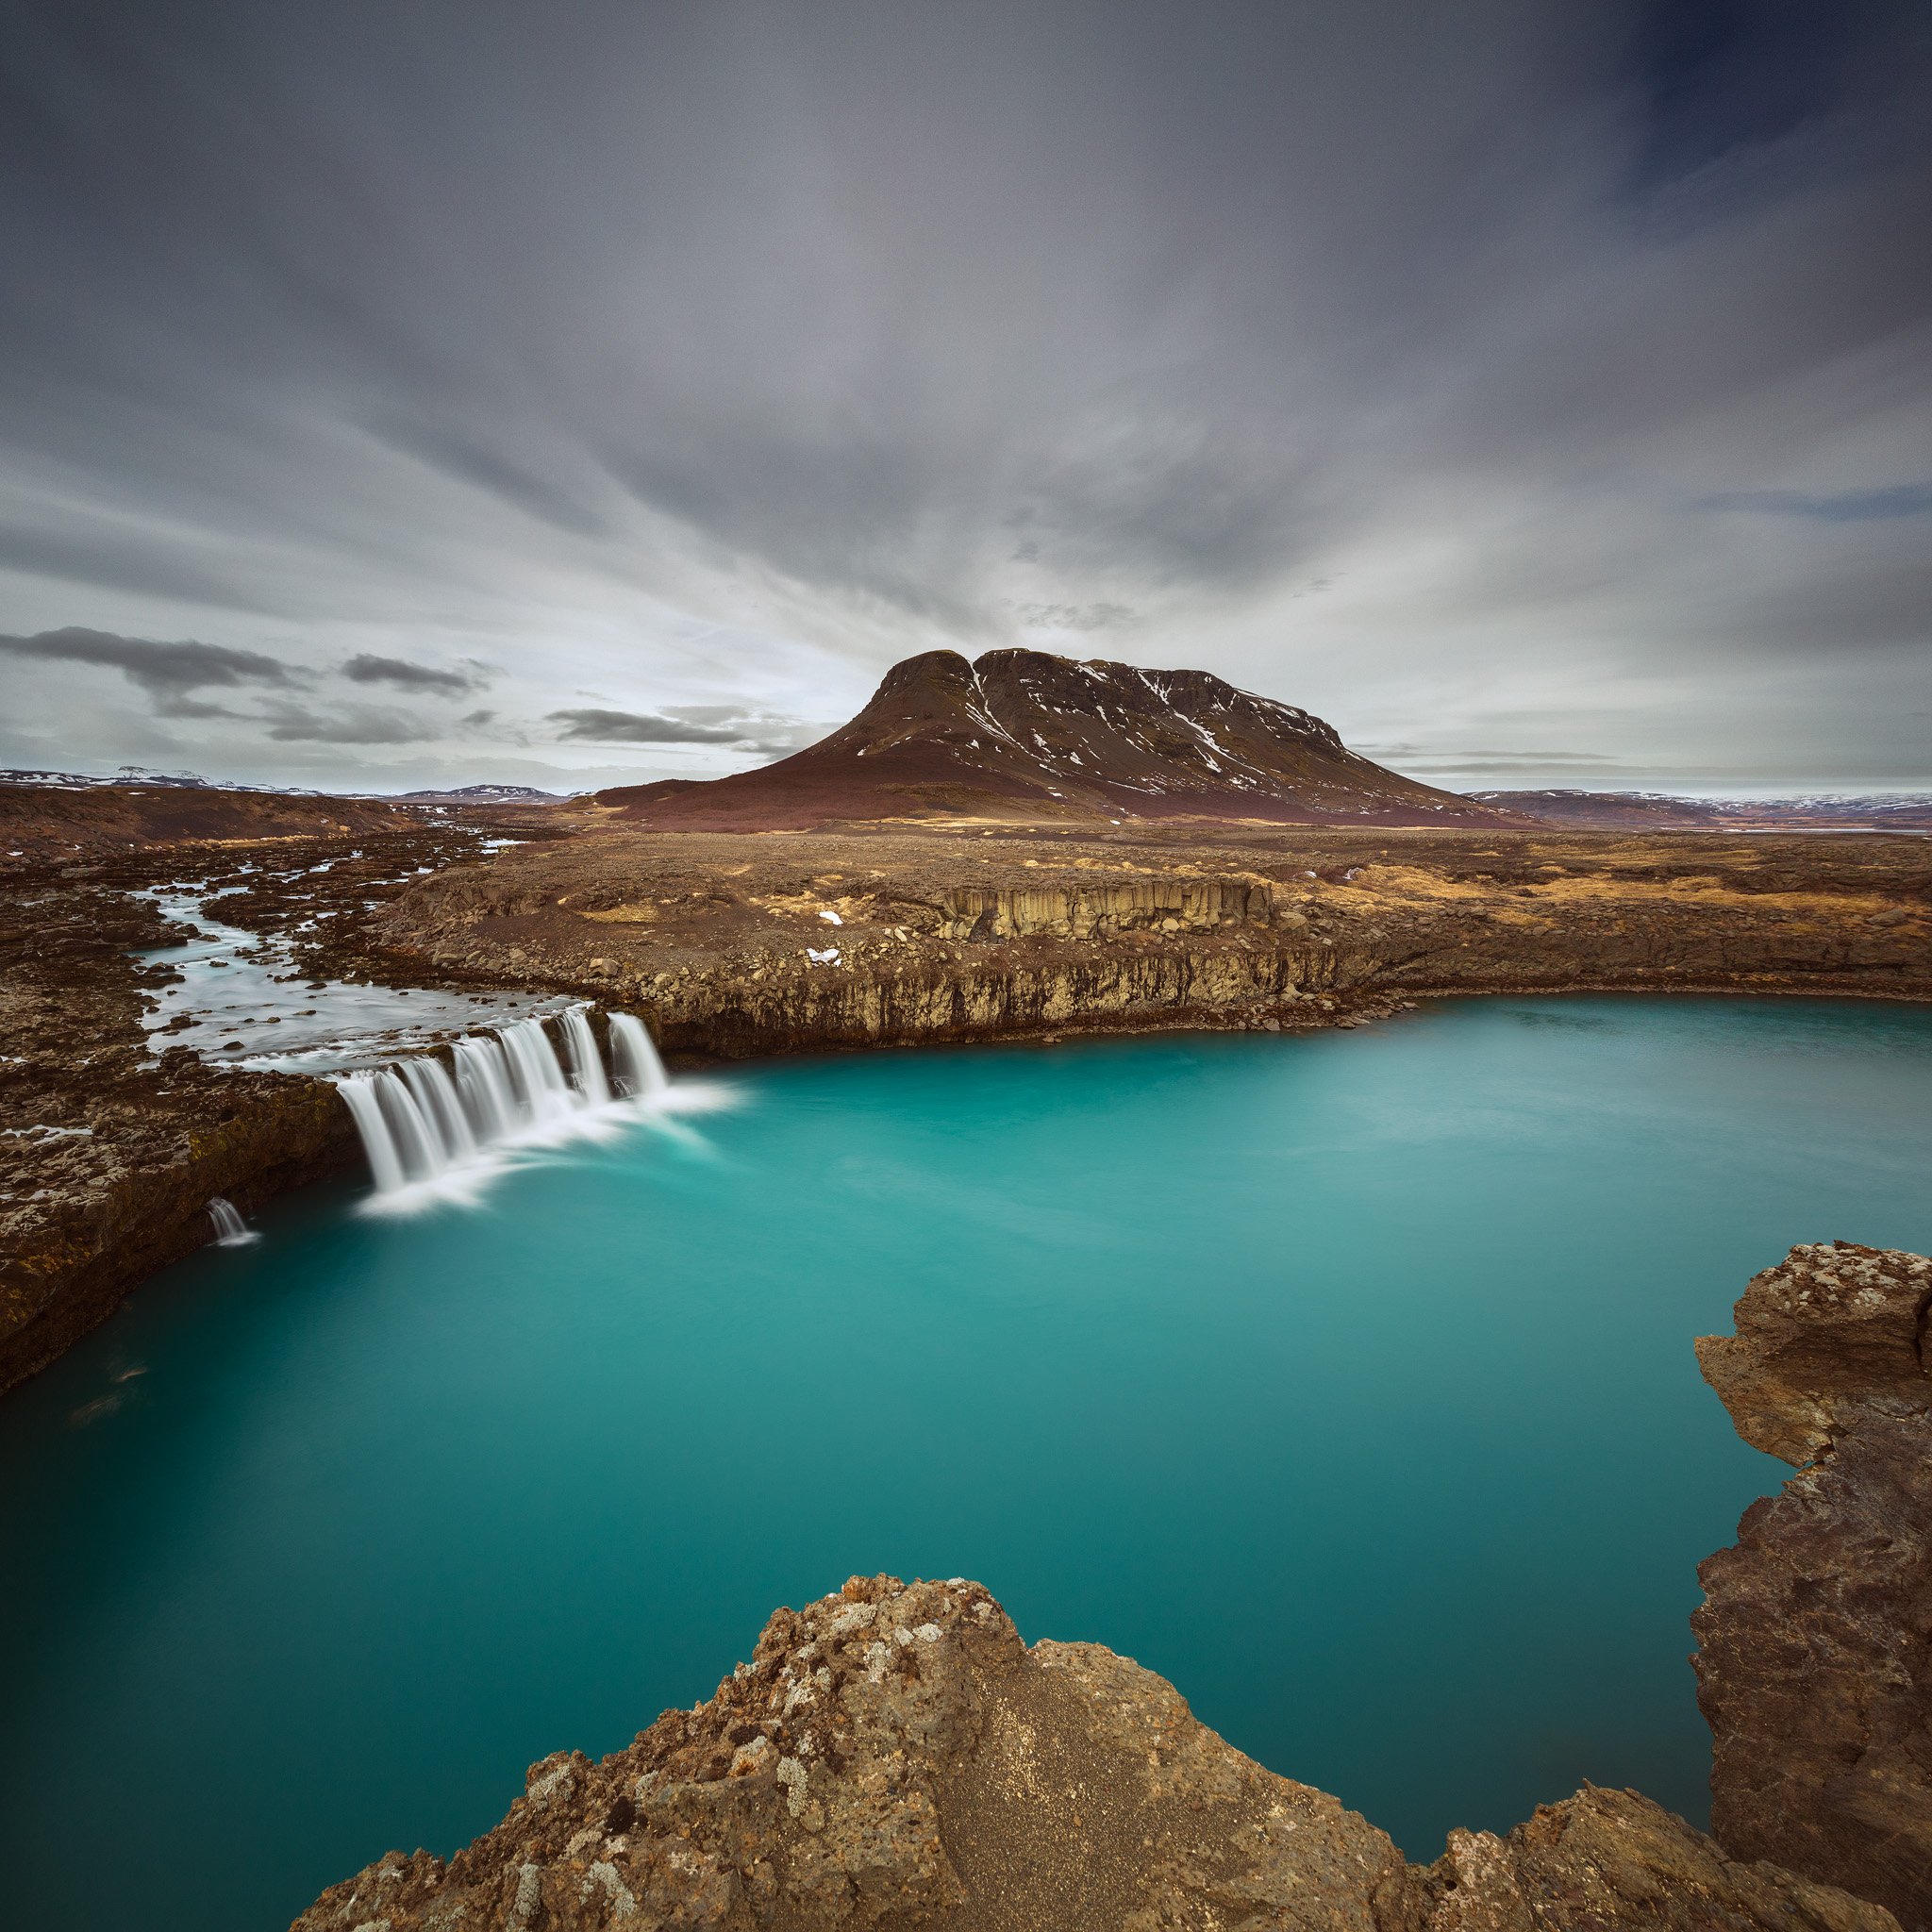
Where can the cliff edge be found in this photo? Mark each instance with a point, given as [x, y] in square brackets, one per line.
[895, 1756]
[1815, 1660]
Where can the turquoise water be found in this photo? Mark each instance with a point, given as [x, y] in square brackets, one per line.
[1346, 1380]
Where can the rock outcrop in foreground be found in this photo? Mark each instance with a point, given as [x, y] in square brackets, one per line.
[1816, 1661]
[895, 1756]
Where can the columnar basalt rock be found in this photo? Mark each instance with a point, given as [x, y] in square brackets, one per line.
[736, 946]
[894, 1755]
[1815, 1660]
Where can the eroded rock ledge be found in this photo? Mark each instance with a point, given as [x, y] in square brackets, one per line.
[895, 1756]
[1815, 1665]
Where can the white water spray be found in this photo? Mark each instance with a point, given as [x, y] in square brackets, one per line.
[423, 1122]
[586, 1063]
[634, 1055]
[231, 1231]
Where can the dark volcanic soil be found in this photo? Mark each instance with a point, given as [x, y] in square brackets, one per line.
[49, 823]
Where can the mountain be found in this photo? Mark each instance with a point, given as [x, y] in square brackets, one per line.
[1027, 735]
[1656, 811]
[481, 795]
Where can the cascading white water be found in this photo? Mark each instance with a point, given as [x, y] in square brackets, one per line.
[539, 1081]
[231, 1231]
[385, 1159]
[586, 1063]
[421, 1121]
[483, 1079]
[434, 1094]
[634, 1055]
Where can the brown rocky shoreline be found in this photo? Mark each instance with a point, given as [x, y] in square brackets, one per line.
[939, 933]
[895, 1756]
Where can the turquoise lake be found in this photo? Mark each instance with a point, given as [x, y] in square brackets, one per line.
[1346, 1380]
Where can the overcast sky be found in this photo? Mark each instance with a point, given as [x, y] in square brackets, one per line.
[398, 391]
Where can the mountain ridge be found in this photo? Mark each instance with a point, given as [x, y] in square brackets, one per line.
[1026, 734]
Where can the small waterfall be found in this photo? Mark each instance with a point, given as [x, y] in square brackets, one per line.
[231, 1231]
[421, 1121]
[541, 1087]
[385, 1159]
[483, 1079]
[586, 1063]
[634, 1053]
[434, 1094]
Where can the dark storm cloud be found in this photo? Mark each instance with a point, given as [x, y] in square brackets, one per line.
[596, 727]
[358, 724]
[686, 725]
[167, 672]
[1569, 351]
[367, 668]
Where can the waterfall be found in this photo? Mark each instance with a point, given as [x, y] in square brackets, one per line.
[385, 1162]
[483, 1079]
[540, 1089]
[434, 1094]
[423, 1122]
[640, 1072]
[586, 1063]
[231, 1231]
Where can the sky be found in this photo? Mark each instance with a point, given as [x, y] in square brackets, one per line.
[404, 392]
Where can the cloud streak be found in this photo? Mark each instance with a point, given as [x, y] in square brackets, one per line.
[1843, 507]
[1451, 372]
[168, 673]
[368, 668]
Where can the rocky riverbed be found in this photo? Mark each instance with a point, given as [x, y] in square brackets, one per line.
[896, 1755]
[114, 1136]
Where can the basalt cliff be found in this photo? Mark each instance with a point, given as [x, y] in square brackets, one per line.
[1815, 1637]
[895, 1756]
[740, 944]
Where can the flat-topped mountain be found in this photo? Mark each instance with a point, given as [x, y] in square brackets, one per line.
[1027, 735]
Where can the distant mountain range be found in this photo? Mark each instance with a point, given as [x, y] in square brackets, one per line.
[481, 794]
[1028, 735]
[1659, 812]
[136, 776]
